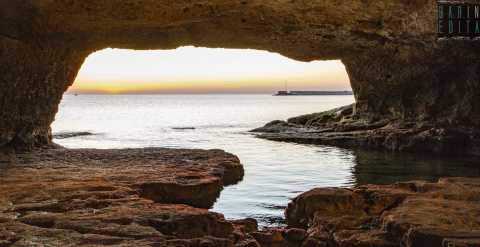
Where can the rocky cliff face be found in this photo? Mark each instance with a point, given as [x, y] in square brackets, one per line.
[396, 65]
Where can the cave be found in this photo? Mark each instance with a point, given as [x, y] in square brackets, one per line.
[398, 67]
[423, 87]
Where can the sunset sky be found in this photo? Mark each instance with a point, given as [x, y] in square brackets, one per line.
[204, 70]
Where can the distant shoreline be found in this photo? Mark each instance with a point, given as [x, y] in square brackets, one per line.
[212, 93]
[312, 93]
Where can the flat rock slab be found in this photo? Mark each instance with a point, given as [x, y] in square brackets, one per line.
[193, 177]
[129, 197]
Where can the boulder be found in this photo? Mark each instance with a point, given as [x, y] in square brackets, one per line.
[411, 214]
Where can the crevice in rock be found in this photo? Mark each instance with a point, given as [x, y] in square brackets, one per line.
[8, 36]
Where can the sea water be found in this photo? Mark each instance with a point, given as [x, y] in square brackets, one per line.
[275, 172]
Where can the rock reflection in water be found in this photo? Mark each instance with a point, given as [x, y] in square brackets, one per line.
[373, 167]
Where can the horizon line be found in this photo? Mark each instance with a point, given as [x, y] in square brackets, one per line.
[180, 93]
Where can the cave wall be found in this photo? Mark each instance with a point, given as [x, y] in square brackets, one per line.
[439, 85]
[34, 78]
[396, 65]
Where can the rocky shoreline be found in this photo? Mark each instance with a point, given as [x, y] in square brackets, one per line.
[129, 197]
[342, 127]
[417, 213]
[160, 197]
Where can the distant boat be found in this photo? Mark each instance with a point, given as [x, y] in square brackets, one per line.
[309, 93]
[76, 94]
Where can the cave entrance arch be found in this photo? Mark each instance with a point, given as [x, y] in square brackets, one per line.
[110, 78]
[398, 67]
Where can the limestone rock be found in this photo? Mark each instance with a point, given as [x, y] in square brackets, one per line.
[340, 127]
[65, 135]
[193, 177]
[397, 66]
[130, 197]
[411, 214]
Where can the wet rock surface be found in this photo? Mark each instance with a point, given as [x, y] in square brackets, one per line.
[65, 135]
[342, 127]
[417, 213]
[129, 197]
[193, 177]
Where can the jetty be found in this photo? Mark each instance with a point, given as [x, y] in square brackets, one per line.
[310, 93]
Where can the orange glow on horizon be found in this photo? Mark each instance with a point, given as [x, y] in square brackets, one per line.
[204, 70]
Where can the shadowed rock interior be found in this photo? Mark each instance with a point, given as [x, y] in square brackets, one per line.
[397, 67]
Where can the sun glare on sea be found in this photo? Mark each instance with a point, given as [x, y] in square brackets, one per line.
[204, 70]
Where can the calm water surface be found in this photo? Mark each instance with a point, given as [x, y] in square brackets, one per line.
[274, 172]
